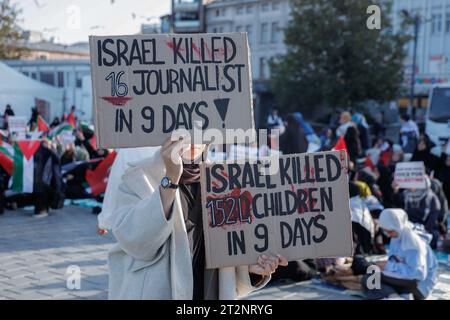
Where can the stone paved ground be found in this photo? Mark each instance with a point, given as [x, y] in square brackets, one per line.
[36, 252]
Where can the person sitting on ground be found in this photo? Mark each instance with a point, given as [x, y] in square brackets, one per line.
[412, 265]
[423, 153]
[363, 226]
[422, 207]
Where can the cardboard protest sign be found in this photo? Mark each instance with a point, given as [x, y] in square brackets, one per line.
[17, 127]
[300, 209]
[410, 175]
[147, 86]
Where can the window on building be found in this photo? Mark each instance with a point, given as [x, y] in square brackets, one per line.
[79, 83]
[436, 23]
[220, 29]
[262, 68]
[33, 75]
[239, 29]
[439, 23]
[214, 30]
[275, 5]
[447, 22]
[240, 10]
[47, 77]
[217, 13]
[25, 73]
[249, 30]
[275, 35]
[249, 8]
[264, 32]
[265, 6]
[60, 79]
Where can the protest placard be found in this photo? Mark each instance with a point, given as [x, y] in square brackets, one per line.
[147, 86]
[410, 175]
[17, 124]
[299, 210]
[17, 127]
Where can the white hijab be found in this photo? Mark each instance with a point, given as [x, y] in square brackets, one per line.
[397, 220]
[121, 163]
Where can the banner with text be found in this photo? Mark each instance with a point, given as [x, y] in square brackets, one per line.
[300, 210]
[147, 86]
[410, 175]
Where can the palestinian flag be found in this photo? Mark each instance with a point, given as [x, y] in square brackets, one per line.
[57, 130]
[6, 157]
[41, 124]
[98, 178]
[23, 166]
[341, 145]
[71, 120]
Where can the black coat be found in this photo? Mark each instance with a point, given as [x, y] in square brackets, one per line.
[47, 175]
[293, 140]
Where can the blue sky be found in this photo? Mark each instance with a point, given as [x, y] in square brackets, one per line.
[74, 20]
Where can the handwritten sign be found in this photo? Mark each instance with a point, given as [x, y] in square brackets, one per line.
[147, 86]
[301, 210]
[410, 175]
[17, 127]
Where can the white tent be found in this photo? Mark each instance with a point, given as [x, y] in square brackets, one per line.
[21, 93]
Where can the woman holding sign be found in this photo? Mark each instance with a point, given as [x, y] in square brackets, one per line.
[154, 212]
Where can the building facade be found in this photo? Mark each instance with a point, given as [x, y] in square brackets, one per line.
[433, 45]
[73, 76]
[264, 21]
[187, 16]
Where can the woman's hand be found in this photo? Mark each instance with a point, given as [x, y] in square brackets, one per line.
[171, 155]
[267, 264]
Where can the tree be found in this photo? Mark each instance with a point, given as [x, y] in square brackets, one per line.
[334, 60]
[10, 32]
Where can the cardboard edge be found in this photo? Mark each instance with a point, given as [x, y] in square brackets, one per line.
[205, 215]
[94, 94]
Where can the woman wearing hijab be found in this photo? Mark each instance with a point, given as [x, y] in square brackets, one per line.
[293, 140]
[344, 123]
[412, 265]
[153, 208]
[409, 133]
[363, 129]
[353, 144]
[423, 153]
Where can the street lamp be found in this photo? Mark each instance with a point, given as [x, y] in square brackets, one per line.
[417, 20]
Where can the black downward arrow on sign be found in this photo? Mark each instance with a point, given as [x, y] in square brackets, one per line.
[222, 108]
